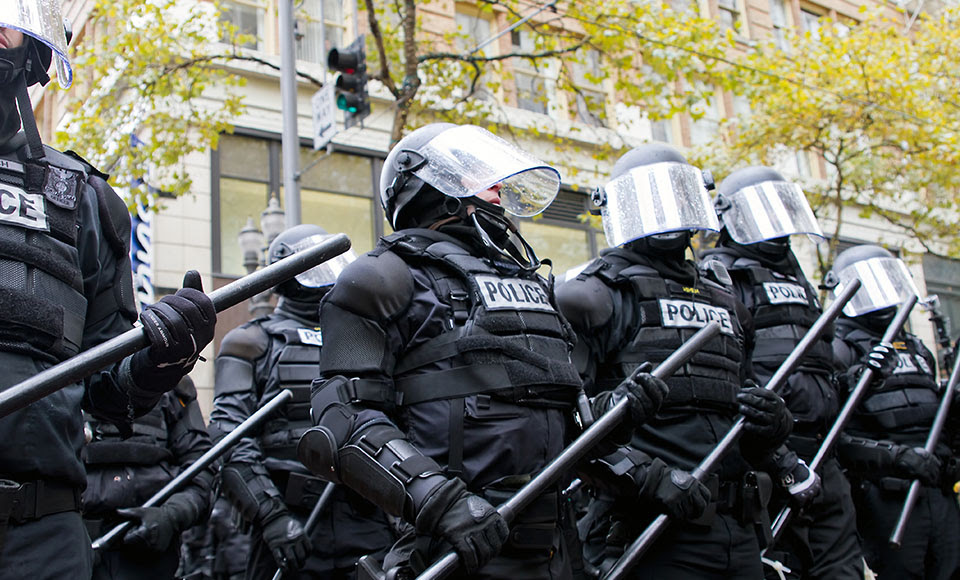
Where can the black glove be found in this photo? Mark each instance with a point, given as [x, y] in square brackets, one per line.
[917, 463]
[159, 525]
[882, 360]
[467, 521]
[180, 325]
[796, 478]
[288, 542]
[766, 415]
[644, 394]
[675, 490]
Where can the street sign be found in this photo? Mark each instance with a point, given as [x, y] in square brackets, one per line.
[324, 116]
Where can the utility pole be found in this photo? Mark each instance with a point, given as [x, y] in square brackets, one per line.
[288, 96]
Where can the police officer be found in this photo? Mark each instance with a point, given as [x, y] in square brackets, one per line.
[635, 304]
[262, 477]
[883, 444]
[446, 380]
[759, 211]
[64, 241]
[122, 473]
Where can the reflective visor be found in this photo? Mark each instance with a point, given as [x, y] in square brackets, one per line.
[42, 20]
[324, 274]
[768, 210]
[466, 160]
[655, 199]
[885, 282]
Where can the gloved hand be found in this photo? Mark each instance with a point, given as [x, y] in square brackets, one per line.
[157, 525]
[180, 325]
[288, 542]
[917, 463]
[766, 415]
[644, 394]
[467, 521]
[882, 360]
[676, 490]
[796, 478]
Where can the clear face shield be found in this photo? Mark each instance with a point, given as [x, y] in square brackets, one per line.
[766, 211]
[656, 199]
[41, 19]
[885, 282]
[324, 274]
[466, 160]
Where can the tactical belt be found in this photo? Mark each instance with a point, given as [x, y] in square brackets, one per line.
[35, 499]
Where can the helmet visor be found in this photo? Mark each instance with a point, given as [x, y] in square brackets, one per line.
[466, 160]
[324, 274]
[885, 282]
[42, 20]
[768, 210]
[655, 199]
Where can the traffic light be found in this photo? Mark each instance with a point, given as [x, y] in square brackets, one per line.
[351, 83]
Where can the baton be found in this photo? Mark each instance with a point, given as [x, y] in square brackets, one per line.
[202, 462]
[313, 518]
[903, 312]
[107, 353]
[646, 539]
[580, 446]
[896, 538]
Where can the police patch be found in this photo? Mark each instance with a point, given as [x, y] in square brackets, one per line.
[785, 293]
[60, 186]
[513, 294]
[905, 364]
[310, 336]
[689, 314]
[23, 209]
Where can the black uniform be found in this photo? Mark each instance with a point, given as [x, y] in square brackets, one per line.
[894, 417]
[821, 542]
[628, 308]
[256, 361]
[459, 372]
[66, 286]
[123, 473]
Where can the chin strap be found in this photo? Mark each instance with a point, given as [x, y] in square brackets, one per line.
[29, 122]
[515, 247]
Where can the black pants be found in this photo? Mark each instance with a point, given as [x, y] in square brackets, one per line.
[725, 549]
[930, 542]
[52, 547]
[125, 562]
[821, 542]
[348, 529]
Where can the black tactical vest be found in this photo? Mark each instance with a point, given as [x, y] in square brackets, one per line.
[907, 401]
[292, 362]
[505, 337]
[42, 306]
[666, 314]
[147, 446]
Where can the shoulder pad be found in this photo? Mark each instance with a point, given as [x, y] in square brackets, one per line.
[65, 160]
[374, 286]
[87, 166]
[247, 342]
[585, 302]
[716, 271]
[185, 389]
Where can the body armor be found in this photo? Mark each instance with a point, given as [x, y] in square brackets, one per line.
[42, 306]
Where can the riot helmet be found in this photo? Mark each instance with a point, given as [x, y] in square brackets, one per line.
[655, 194]
[315, 282]
[757, 206]
[442, 170]
[885, 280]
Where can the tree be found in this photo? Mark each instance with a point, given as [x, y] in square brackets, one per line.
[874, 104]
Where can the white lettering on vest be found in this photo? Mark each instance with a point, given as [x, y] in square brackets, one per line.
[905, 364]
[785, 293]
[310, 336]
[688, 314]
[513, 294]
[23, 209]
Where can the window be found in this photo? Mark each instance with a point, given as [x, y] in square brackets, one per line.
[474, 31]
[247, 17]
[728, 14]
[560, 234]
[705, 129]
[778, 17]
[312, 24]
[942, 277]
[336, 193]
[530, 77]
[590, 96]
[811, 23]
